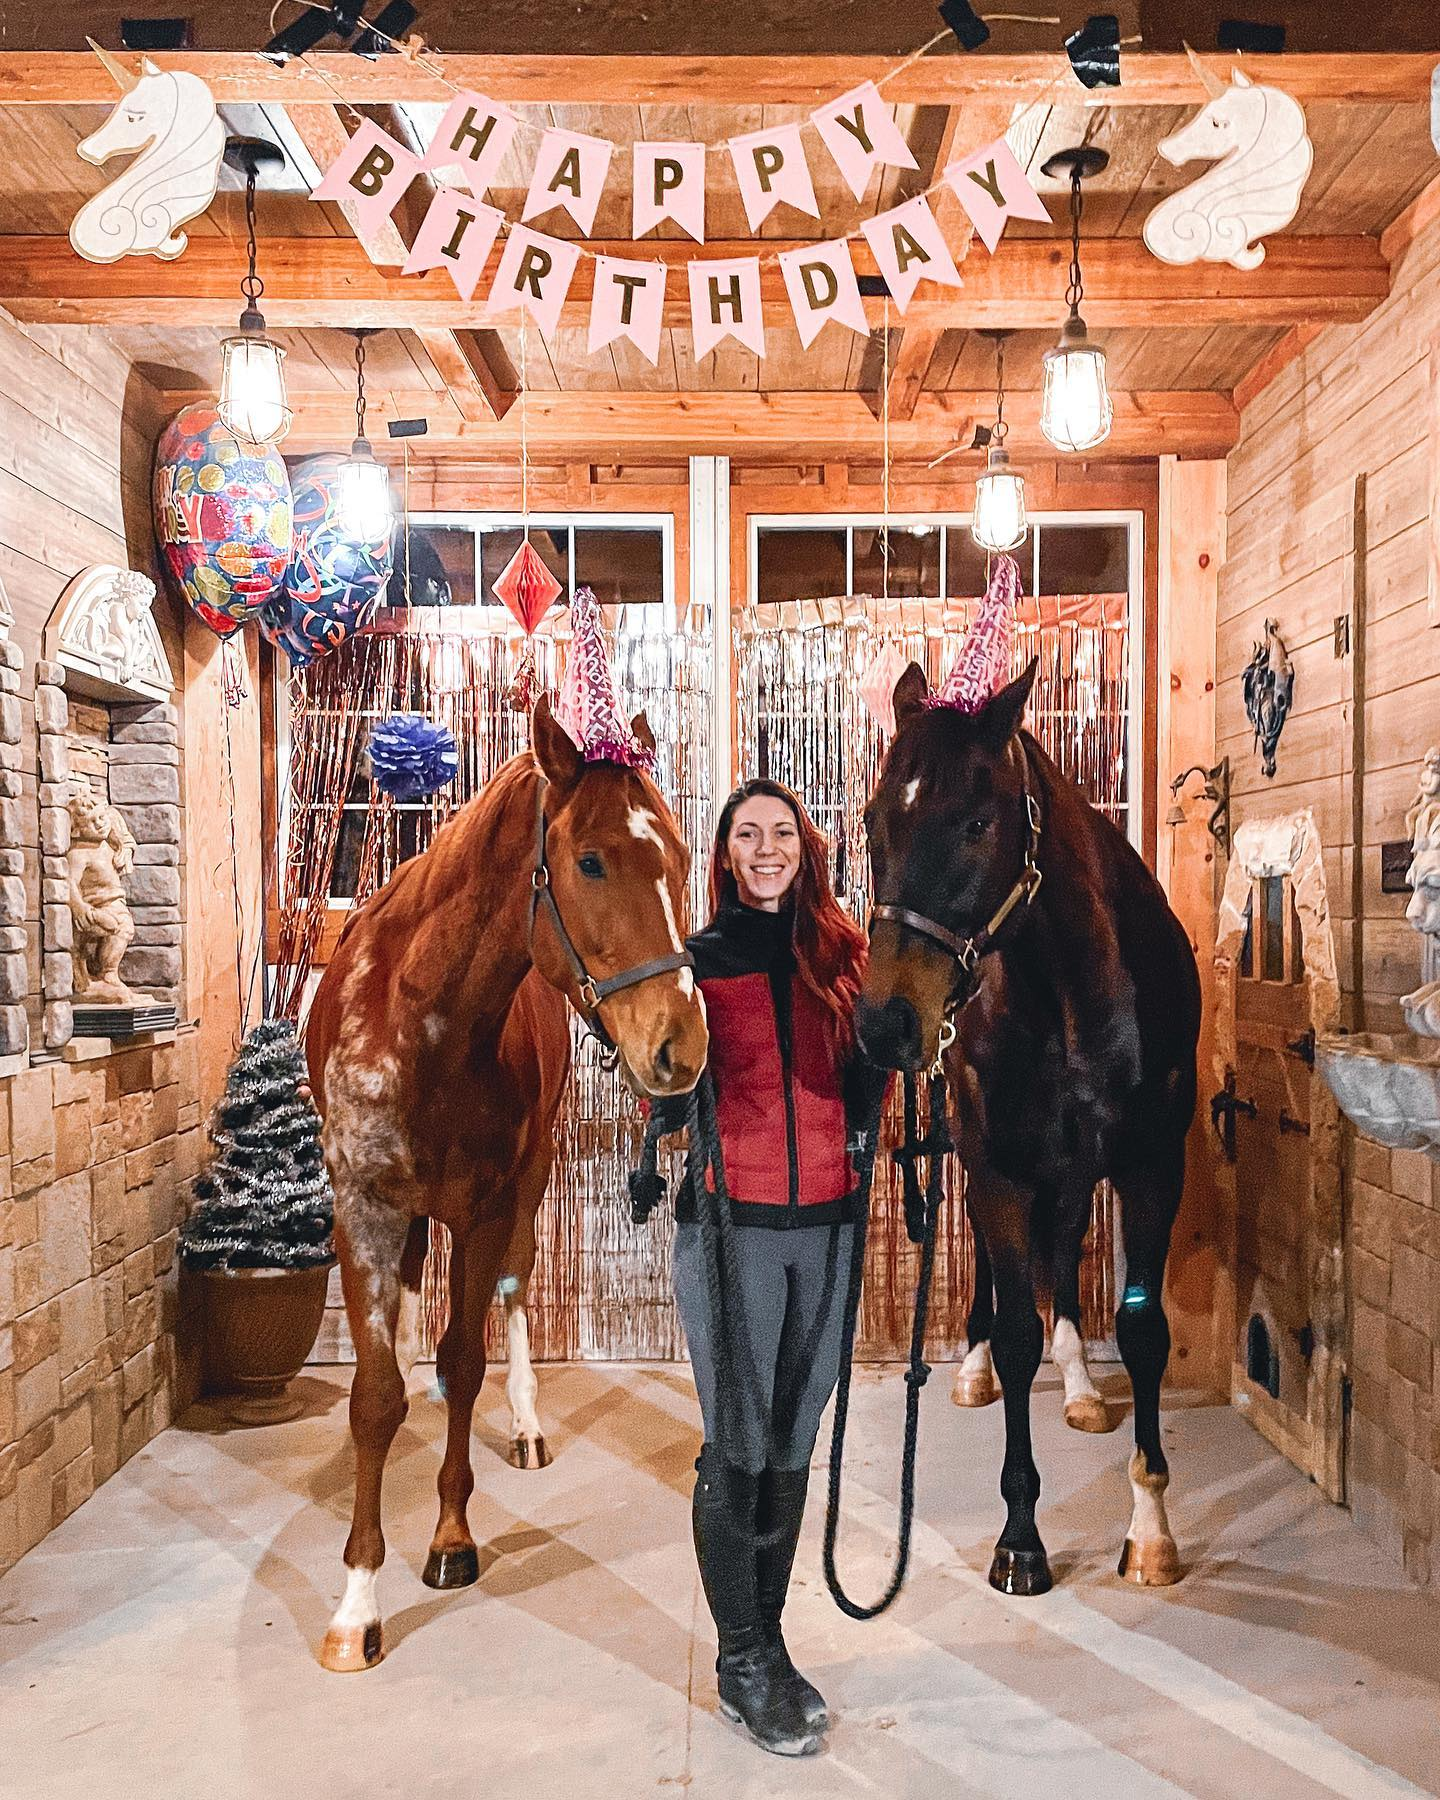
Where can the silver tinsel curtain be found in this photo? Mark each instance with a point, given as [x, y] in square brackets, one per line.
[799, 669]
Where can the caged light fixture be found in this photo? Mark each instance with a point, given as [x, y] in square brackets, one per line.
[998, 522]
[1075, 409]
[253, 406]
[364, 483]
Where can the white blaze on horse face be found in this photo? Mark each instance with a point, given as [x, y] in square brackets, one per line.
[908, 793]
[642, 825]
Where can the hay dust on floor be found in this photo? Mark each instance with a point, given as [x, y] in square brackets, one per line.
[162, 1641]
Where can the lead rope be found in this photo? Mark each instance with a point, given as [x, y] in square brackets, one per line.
[918, 1372]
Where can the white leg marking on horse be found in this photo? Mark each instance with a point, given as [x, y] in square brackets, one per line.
[353, 1638]
[527, 1439]
[407, 1333]
[360, 1606]
[1084, 1407]
[975, 1383]
[1150, 1556]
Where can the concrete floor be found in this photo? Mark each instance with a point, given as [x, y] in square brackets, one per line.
[162, 1641]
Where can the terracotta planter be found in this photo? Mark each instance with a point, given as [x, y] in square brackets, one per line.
[260, 1325]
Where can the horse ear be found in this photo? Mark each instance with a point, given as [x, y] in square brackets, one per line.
[911, 691]
[555, 750]
[1000, 719]
[640, 725]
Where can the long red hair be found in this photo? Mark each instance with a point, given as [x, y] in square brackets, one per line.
[830, 948]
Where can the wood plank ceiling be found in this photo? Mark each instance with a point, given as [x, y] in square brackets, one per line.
[1371, 159]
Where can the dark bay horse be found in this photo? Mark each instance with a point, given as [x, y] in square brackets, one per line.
[1008, 908]
[439, 1044]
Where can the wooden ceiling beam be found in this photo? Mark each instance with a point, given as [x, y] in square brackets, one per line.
[748, 426]
[474, 385]
[71, 77]
[322, 281]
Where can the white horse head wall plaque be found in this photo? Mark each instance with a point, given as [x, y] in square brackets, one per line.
[1256, 138]
[171, 120]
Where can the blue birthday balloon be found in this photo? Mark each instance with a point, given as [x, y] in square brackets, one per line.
[334, 584]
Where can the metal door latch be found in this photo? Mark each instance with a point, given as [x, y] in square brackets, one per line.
[1224, 1107]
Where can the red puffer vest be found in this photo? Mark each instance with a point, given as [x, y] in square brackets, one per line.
[779, 1088]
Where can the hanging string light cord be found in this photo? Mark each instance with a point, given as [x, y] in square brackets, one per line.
[885, 460]
[997, 435]
[252, 287]
[359, 385]
[524, 436]
[242, 998]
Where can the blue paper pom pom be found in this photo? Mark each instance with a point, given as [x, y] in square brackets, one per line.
[410, 757]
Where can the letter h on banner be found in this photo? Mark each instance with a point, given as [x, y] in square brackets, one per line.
[725, 302]
[473, 137]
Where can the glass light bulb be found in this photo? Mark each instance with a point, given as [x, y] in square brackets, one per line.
[364, 503]
[253, 406]
[998, 522]
[1075, 408]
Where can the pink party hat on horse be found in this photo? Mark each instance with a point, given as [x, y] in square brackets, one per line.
[588, 706]
[983, 665]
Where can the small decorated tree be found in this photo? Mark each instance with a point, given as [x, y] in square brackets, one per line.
[264, 1202]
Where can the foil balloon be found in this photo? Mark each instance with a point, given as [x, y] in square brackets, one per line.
[222, 518]
[334, 585]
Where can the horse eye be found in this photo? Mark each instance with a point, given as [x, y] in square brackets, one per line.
[591, 866]
[974, 829]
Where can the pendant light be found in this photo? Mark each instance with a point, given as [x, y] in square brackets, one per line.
[252, 405]
[364, 483]
[1075, 409]
[998, 522]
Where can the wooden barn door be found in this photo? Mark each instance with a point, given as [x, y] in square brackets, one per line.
[1273, 1122]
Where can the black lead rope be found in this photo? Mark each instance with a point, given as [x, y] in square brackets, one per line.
[917, 1374]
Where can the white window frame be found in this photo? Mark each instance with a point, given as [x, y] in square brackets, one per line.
[1136, 750]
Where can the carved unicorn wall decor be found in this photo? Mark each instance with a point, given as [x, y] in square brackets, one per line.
[1257, 139]
[171, 120]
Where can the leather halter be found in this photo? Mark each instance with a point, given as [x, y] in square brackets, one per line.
[593, 993]
[967, 951]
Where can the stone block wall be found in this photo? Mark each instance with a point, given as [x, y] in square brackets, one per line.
[96, 1157]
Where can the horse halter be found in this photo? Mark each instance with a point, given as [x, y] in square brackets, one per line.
[967, 951]
[593, 993]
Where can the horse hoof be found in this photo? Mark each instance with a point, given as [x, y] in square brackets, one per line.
[976, 1387]
[1152, 1564]
[1087, 1412]
[529, 1453]
[350, 1648]
[1021, 1572]
[456, 1568]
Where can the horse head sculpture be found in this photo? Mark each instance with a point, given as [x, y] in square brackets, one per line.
[1256, 138]
[170, 118]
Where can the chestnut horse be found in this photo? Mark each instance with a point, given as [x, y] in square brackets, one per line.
[439, 1045]
[1015, 920]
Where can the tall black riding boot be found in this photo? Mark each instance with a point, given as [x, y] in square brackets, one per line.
[781, 1511]
[751, 1672]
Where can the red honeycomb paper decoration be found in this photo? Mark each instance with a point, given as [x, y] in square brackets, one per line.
[526, 586]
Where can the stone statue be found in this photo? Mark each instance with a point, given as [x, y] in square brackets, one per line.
[1422, 1008]
[102, 851]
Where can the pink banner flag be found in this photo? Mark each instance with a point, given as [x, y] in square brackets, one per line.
[669, 183]
[570, 171]
[473, 137]
[535, 274]
[820, 280]
[629, 301]
[992, 187]
[770, 166]
[725, 302]
[910, 247]
[457, 233]
[370, 174]
[859, 130]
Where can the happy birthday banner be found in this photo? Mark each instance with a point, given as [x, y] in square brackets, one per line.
[459, 230]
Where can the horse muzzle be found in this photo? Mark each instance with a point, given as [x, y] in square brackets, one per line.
[890, 1033]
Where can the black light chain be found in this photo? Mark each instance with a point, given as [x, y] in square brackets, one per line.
[1075, 292]
[997, 436]
[252, 287]
[360, 385]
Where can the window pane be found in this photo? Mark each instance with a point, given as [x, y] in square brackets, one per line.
[499, 543]
[623, 567]
[442, 571]
[800, 565]
[1247, 949]
[345, 874]
[1272, 952]
[1084, 559]
[914, 561]
[965, 564]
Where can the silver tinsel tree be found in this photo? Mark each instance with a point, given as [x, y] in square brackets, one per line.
[264, 1202]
